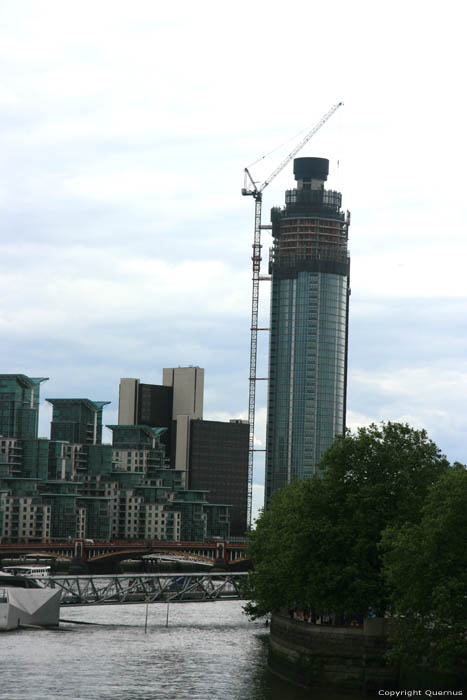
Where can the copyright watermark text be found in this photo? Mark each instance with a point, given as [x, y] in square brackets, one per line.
[418, 693]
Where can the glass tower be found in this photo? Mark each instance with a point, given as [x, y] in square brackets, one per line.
[19, 405]
[310, 266]
[77, 421]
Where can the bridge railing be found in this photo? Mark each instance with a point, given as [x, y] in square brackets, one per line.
[87, 550]
[147, 588]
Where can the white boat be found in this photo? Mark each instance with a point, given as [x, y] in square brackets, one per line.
[24, 601]
[32, 570]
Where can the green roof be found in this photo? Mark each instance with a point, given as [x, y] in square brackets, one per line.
[31, 381]
[91, 404]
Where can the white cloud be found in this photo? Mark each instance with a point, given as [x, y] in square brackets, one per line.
[429, 398]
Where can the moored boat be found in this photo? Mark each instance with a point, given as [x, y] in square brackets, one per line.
[24, 601]
[33, 570]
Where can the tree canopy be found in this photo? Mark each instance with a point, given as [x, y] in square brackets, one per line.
[425, 565]
[319, 542]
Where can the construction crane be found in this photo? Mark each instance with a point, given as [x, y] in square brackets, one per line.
[250, 189]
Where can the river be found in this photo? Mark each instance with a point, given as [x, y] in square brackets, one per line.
[208, 651]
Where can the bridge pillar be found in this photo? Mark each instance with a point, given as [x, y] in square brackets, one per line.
[222, 556]
[79, 553]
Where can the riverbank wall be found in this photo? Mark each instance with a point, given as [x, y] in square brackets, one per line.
[319, 656]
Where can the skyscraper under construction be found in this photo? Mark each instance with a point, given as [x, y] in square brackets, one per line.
[310, 268]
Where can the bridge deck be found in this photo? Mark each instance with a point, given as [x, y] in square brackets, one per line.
[147, 588]
[99, 551]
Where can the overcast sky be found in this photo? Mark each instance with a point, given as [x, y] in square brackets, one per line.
[125, 242]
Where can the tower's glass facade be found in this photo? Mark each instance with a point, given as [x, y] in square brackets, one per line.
[19, 405]
[309, 320]
[77, 420]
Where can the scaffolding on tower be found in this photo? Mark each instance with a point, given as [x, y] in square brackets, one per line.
[250, 189]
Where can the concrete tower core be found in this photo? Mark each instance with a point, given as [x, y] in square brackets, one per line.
[310, 267]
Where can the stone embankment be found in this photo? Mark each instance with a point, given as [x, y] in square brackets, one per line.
[321, 656]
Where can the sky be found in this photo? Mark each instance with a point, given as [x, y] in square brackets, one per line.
[125, 243]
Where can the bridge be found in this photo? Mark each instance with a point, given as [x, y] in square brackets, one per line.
[147, 588]
[99, 552]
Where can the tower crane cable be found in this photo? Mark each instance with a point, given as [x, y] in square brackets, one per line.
[284, 143]
[257, 194]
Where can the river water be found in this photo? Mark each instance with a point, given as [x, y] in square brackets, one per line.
[208, 651]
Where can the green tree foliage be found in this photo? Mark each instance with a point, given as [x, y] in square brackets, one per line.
[318, 544]
[425, 565]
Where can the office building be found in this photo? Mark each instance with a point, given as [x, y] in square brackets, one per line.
[309, 323]
[74, 486]
[77, 420]
[19, 405]
[210, 456]
[188, 395]
[188, 390]
[171, 405]
[219, 463]
[144, 404]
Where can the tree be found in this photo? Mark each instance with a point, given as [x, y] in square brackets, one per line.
[280, 546]
[318, 544]
[425, 565]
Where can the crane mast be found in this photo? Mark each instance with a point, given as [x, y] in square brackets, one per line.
[250, 189]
